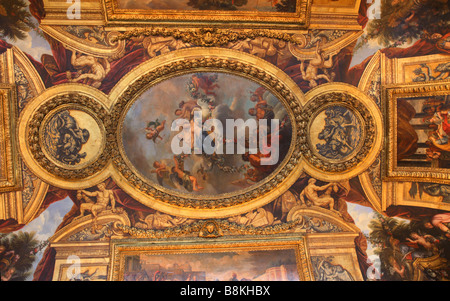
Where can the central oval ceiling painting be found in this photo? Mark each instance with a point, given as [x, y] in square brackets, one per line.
[206, 134]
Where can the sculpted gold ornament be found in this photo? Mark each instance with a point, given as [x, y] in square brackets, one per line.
[10, 172]
[207, 229]
[340, 132]
[207, 37]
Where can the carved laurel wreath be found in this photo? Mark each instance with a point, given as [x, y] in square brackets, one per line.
[369, 131]
[214, 65]
[36, 123]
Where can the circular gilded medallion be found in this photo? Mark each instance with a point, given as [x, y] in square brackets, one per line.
[336, 133]
[206, 134]
[71, 137]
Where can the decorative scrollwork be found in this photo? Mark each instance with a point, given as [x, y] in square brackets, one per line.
[208, 37]
[198, 226]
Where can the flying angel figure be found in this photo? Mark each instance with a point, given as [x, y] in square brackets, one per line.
[153, 129]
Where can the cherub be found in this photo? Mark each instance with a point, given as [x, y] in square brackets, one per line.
[160, 167]
[257, 96]
[184, 177]
[261, 108]
[311, 73]
[185, 108]
[440, 121]
[164, 174]
[261, 111]
[154, 128]
[426, 241]
[203, 82]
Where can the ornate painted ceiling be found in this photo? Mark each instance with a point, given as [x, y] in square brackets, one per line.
[224, 140]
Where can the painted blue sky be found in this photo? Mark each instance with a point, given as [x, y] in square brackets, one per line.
[47, 222]
[34, 44]
[372, 46]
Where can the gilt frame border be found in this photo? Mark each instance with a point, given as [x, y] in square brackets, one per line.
[298, 20]
[10, 161]
[390, 95]
[120, 248]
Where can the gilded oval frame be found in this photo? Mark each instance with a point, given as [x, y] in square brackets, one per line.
[187, 66]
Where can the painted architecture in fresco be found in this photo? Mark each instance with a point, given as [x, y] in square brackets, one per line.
[262, 265]
[428, 126]
[352, 105]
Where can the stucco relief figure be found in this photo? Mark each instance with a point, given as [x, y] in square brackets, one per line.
[257, 218]
[261, 46]
[158, 221]
[91, 69]
[105, 199]
[210, 230]
[161, 45]
[311, 72]
[310, 195]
